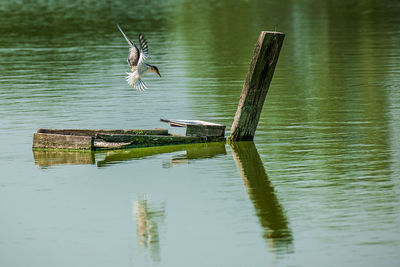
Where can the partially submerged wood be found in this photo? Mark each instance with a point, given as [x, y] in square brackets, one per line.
[153, 140]
[256, 86]
[88, 139]
[90, 132]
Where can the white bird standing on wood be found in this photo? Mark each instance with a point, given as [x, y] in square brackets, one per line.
[136, 60]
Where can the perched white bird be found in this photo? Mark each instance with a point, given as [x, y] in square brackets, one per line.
[136, 60]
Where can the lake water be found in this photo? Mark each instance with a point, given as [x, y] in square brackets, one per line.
[320, 185]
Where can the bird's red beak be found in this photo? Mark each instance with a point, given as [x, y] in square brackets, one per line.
[158, 73]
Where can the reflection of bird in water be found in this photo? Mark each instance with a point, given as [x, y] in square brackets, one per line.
[148, 219]
[136, 60]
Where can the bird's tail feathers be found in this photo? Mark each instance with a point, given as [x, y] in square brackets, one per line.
[140, 85]
[130, 79]
[134, 82]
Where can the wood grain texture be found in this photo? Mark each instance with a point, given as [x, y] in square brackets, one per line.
[59, 141]
[205, 130]
[256, 86]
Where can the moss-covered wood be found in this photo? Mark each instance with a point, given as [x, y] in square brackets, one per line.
[101, 141]
[155, 140]
[90, 132]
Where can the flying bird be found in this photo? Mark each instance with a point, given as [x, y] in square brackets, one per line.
[136, 61]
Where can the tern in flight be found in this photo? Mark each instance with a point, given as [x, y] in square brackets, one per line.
[136, 60]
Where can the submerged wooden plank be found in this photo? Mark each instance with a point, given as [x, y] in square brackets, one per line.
[91, 132]
[149, 139]
[71, 139]
[156, 140]
[59, 141]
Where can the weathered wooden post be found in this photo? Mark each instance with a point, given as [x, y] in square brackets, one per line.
[256, 86]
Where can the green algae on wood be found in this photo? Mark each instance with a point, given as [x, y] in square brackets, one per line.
[91, 132]
[102, 141]
[155, 140]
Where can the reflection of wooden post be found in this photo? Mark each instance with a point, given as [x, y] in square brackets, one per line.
[261, 192]
[256, 86]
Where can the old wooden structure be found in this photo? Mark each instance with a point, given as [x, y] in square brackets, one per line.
[86, 139]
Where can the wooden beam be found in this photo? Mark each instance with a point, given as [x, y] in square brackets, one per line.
[90, 132]
[256, 86]
[198, 128]
[205, 130]
[59, 141]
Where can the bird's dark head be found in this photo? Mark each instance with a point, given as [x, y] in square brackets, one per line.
[155, 70]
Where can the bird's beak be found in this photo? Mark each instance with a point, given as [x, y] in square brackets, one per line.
[158, 73]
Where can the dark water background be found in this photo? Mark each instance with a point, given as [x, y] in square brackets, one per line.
[319, 187]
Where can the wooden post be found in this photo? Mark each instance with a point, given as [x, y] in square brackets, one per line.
[256, 86]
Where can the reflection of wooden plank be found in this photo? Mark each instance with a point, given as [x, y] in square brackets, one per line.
[117, 156]
[256, 86]
[208, 150]
[193, 151]
[50, 158]
[89, 132]
[59, 141]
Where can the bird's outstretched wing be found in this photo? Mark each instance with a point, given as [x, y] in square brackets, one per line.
[144, 50]
[134, 53]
